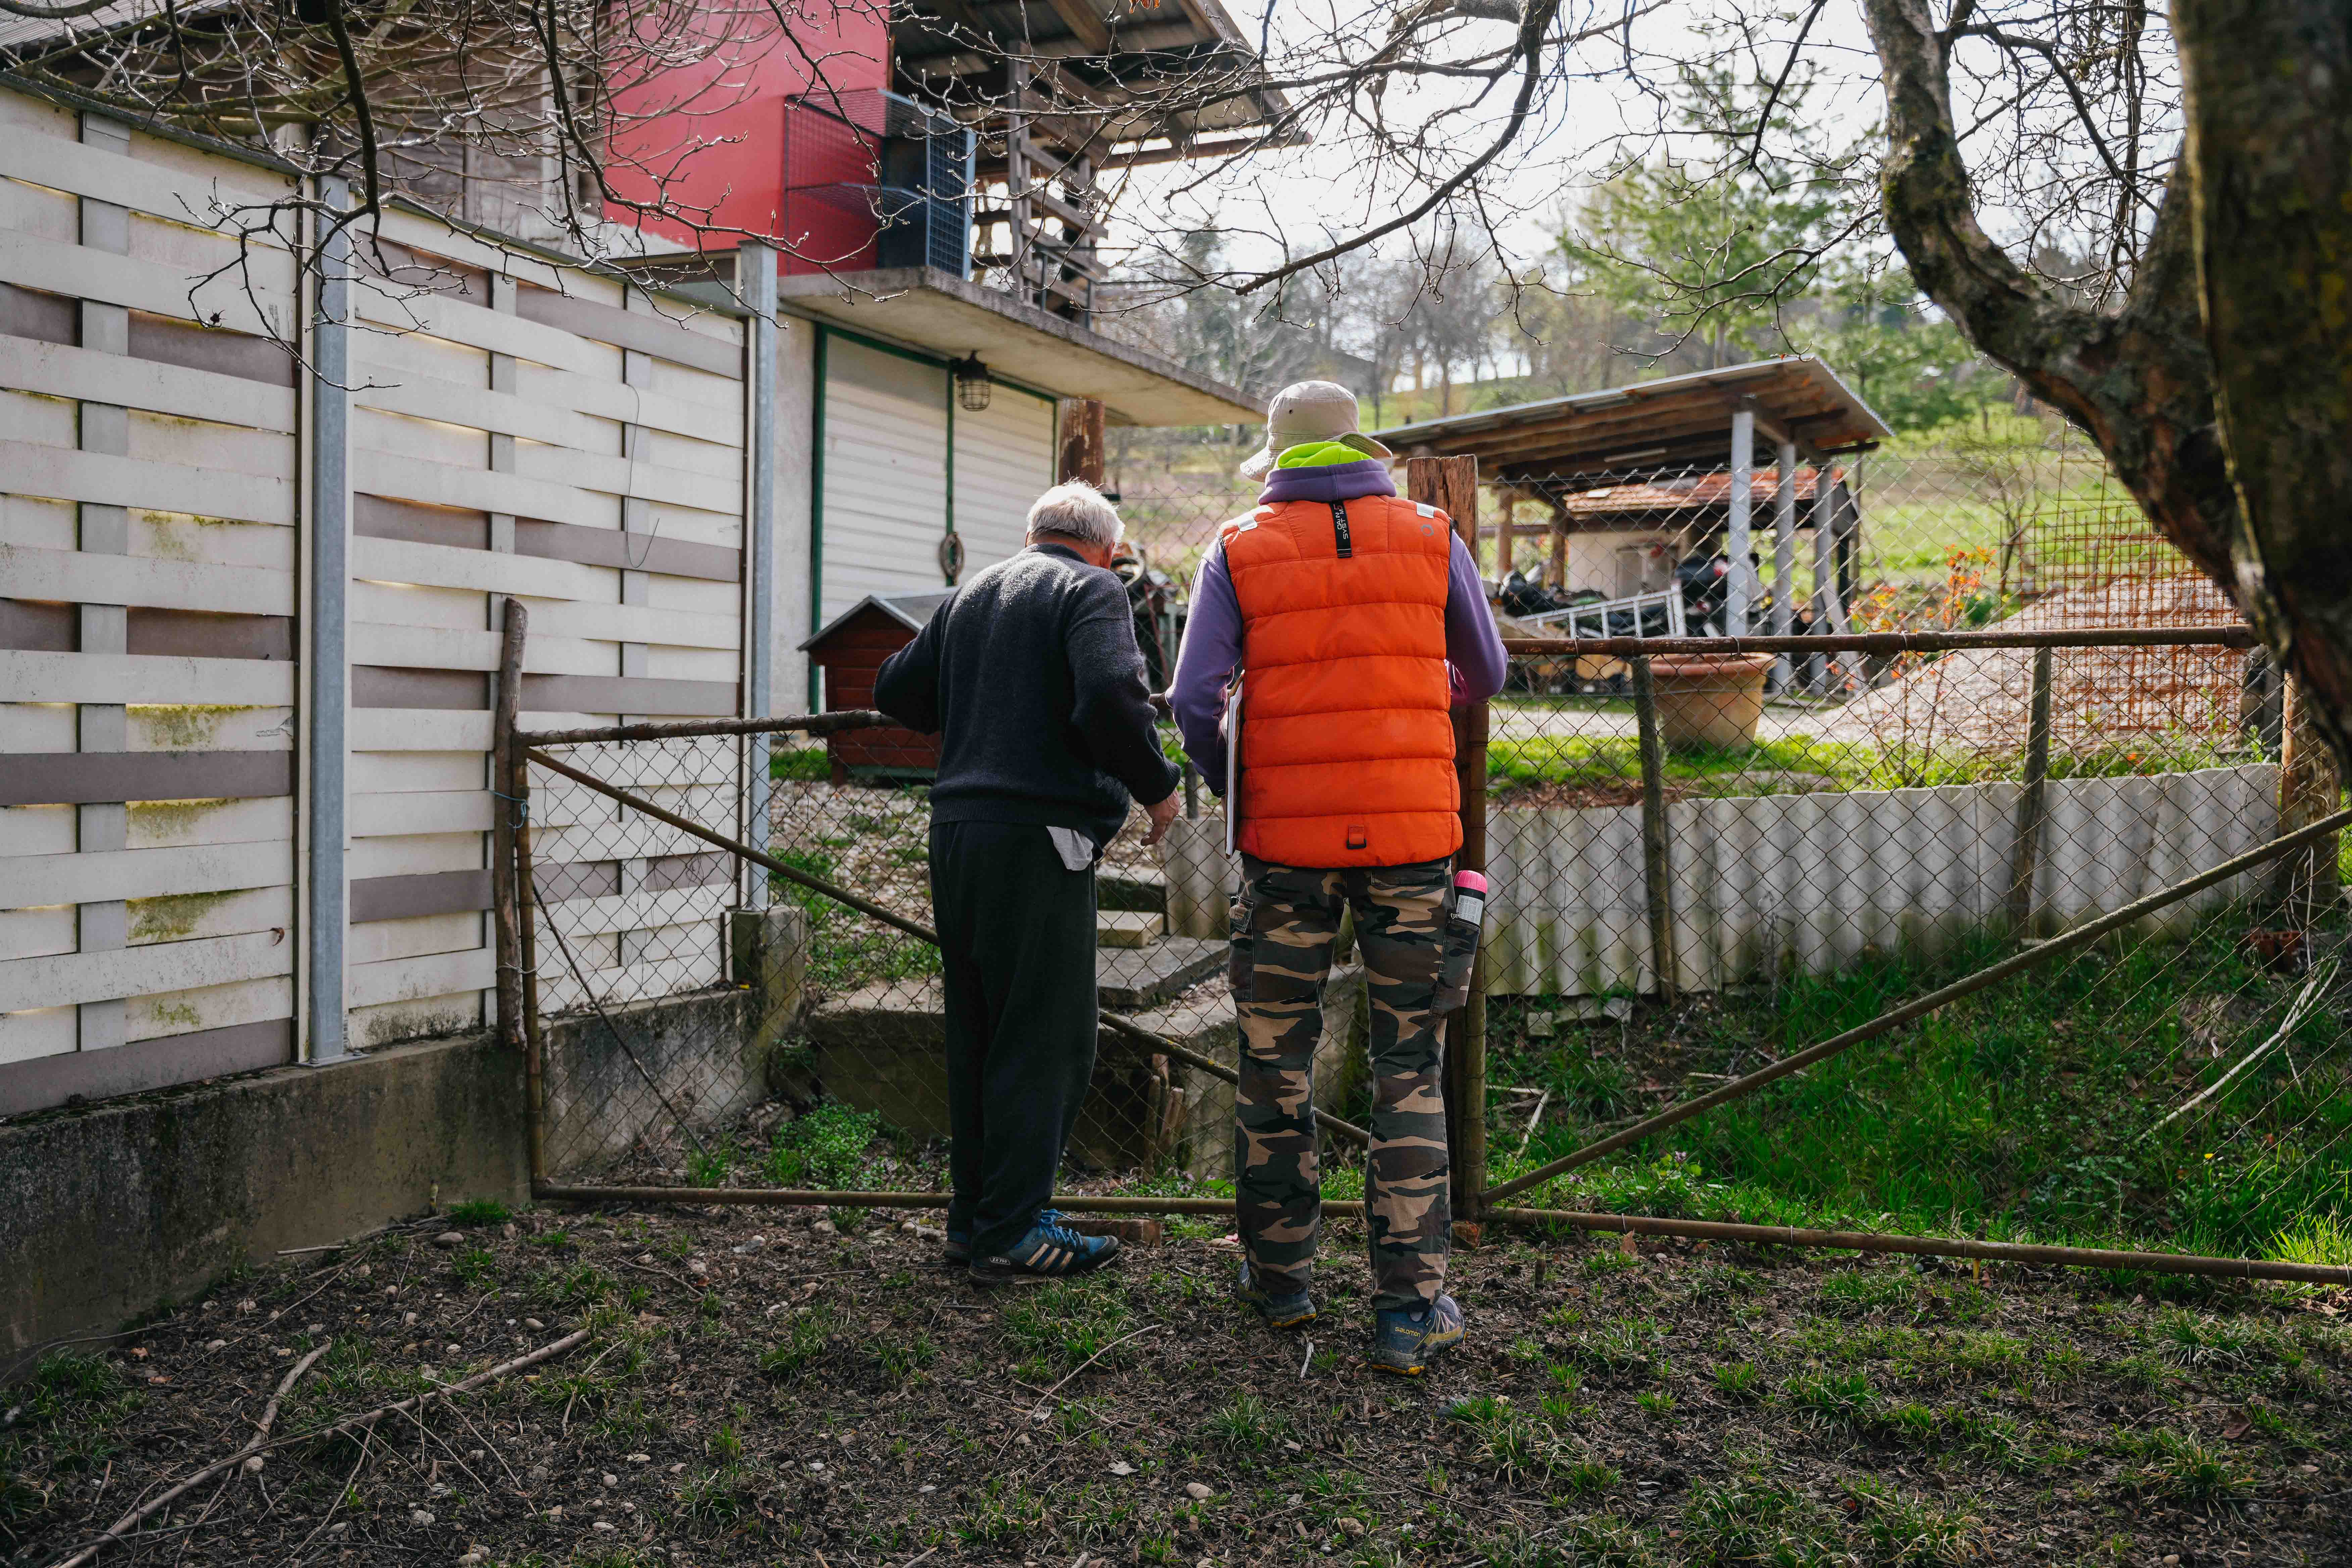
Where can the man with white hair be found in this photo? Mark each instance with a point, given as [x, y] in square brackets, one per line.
[1031, 674]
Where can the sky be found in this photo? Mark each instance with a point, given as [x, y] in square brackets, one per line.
[1298, 194]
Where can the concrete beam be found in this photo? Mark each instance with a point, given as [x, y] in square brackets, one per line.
[924, 308]
[117, 1207]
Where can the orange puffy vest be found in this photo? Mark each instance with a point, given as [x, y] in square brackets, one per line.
[1347, 731]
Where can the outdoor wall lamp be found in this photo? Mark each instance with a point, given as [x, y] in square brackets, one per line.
[973, 389]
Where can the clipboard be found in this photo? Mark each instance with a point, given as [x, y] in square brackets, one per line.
[1233, 728]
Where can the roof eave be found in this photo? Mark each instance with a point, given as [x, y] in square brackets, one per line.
[928, 309]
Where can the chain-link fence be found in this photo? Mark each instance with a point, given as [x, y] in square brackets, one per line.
[1695, 880]
[1706, 861]
[708, 1020]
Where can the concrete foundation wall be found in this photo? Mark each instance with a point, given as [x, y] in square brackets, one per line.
[112, 1209]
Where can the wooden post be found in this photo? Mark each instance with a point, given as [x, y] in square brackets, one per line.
[506, 930]
[2032, 801]
[524, 898]
[1657, 858]
[1450, 484]
[1081, 440]
[2305, 882]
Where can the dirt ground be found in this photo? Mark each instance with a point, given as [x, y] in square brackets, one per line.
[786, 1387]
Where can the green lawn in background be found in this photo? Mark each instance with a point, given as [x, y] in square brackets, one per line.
[2030, 1112]
[1799, 764]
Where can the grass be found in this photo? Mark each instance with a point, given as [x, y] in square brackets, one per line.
[2029, 1110]
[1817, 1416]
[805, 1336]
[2180, 1468]
[845, 949]
[1244, 1425]
[825, 1148]
[1801, 764]
[1065, 1323]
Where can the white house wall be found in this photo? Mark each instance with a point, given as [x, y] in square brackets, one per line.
[884, 507]
[1004, 458]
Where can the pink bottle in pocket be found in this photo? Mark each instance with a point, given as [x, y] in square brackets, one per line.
[1470, 899]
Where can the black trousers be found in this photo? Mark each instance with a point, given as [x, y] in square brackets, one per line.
[1017, 947]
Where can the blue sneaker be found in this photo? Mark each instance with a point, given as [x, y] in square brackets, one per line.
[1405, 1341]
[1050, 1251]
[1282, 1309]
[959, 1247]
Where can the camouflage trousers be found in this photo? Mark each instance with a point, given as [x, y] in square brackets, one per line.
[1284, 922]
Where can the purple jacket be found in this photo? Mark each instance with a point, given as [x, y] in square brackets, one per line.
[1213, 634]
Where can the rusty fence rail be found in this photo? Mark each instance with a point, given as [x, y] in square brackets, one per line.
[728, 989]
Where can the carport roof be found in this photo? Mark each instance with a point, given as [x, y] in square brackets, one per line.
[924, 308]
[1676, 421]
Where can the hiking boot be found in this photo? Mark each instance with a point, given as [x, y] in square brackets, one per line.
[1405, 1341]
[1283, 1307]
[1050, 1251]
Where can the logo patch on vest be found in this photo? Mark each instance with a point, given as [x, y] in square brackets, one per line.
[1340, 530]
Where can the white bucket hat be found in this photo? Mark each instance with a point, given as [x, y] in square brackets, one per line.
[1309, 411]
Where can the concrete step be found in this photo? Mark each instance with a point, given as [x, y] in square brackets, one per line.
[1144, 888]
[1128, 928]
[881, 1048]
[1147, 976]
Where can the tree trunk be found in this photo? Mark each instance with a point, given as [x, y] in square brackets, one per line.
[2268, 135]
[2269, 86]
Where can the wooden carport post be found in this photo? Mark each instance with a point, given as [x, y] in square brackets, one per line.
[1450, 484]
[1081, 456]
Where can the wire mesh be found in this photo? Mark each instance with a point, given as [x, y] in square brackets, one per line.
[711, 1022]
[1774, 867]
[1692, 877]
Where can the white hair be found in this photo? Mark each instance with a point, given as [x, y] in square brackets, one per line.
[1077, 511]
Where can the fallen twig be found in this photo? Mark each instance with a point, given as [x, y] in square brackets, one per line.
[1535, 1120]
[1148, 1328]
[365, 1420]
[260, 1441]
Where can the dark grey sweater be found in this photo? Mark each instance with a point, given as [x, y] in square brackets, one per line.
[1032, 673]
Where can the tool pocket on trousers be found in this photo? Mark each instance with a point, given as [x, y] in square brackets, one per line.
[1458, 952]
[1241, 962]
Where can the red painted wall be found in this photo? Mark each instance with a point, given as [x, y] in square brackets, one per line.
[703, 130]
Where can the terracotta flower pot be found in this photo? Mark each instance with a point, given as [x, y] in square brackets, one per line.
[1709, 701]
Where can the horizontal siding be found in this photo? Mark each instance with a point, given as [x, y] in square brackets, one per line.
[1005, 458]
[149, 469]
[614, 466]
[886, 482]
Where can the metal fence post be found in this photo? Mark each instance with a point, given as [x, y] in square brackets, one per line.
[327, 907]
[1657, 859]
[1450, 484]
[1739, 583]
[2032, 801]
[756, 282]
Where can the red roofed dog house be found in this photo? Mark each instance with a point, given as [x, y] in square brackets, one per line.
[850, 650]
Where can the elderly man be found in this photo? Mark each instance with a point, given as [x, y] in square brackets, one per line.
[1032, 672]
[1342, 620]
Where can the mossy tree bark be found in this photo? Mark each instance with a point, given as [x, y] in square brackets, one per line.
[2221, 391]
